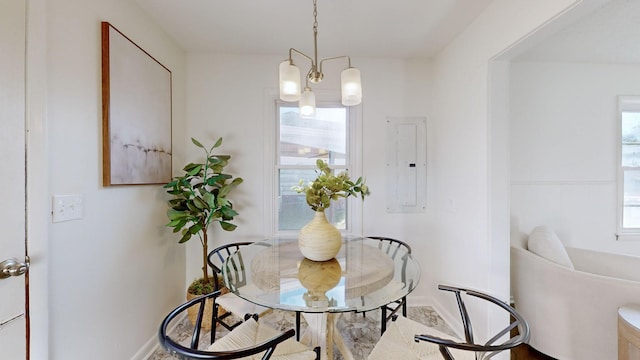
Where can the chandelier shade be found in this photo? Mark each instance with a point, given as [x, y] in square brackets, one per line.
[307, 103]
[290, 84]
[351, 87]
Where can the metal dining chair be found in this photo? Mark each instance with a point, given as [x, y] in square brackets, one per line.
[227, 304]
[408, 339]
[392, 248]
[491, 347]
[250, 338]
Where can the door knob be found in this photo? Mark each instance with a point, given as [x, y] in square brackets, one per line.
[13, 267]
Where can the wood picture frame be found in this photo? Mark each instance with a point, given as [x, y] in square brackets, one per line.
[136, 113]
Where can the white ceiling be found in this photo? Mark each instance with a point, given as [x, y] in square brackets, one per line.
[364, 28]
[610, 34]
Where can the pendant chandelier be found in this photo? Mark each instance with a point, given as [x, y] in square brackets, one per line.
[351, 86]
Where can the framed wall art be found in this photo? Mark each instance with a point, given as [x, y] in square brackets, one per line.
[136, 113]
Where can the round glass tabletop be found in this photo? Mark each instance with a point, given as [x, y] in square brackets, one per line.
[365, 275]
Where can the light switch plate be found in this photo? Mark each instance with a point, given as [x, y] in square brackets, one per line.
[67, 207]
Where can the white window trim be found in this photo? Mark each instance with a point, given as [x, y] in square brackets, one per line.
[354, 208]
[625, 103]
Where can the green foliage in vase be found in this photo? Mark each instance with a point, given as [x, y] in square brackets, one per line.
[199, 197]
[327, 187]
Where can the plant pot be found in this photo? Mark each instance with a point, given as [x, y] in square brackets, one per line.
[192, 312]
[319, 240]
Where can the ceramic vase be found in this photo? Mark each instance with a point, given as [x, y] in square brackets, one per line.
[318, 277]
[319, 240]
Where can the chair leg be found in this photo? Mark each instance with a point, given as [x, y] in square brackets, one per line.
[404, 306]
[298, 326]
[214, 322]
[383, 324]
[445, 353]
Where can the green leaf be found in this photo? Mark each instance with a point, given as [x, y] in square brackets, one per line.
[180, 225]
[217, 144]
[209, 199]
[199, 203]
[225, 190]
[227, 226]
[185, 237]
[190, 166]
[218, 178]
[237, 181]
[195, 170]
[174, 222]
[171, 184]
[176, 201]
[173, 214]
[213, 160]
[193, 208]
[196, 143]
[223, 158]
[228, 212]
[195, 228]
[223, 202]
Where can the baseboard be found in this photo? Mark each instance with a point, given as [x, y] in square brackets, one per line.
[452, 320]
[152, 344]
[413, 300]
[147, 349]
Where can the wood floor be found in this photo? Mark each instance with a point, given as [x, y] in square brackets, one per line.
[526, 352]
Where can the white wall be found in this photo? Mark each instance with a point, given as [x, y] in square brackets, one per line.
[564, 133]
[114, 274]
[465, 250]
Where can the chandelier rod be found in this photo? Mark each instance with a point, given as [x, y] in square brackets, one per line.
[315, 73]
[315, 32]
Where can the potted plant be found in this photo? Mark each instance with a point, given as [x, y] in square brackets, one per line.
[198, 198]
[319, 240]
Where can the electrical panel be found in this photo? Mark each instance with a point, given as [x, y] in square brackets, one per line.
[406, 164]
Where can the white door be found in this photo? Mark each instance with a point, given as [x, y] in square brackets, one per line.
[13, 319]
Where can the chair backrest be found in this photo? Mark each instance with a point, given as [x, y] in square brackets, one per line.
[219, 255]
[192, 351]
[489, 348]
[391, 246]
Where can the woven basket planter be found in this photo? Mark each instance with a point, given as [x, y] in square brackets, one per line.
[192, 312]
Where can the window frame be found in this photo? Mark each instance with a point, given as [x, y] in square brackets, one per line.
[272, 163]
[627, 103]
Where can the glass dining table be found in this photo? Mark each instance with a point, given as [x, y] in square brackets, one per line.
[365, 275]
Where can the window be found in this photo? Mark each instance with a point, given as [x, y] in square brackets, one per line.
[299, 143]
[629, 166]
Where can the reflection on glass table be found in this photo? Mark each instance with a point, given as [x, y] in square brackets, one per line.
[362, 277]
